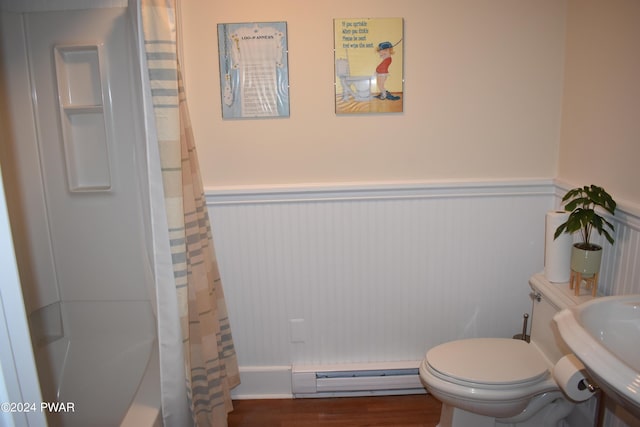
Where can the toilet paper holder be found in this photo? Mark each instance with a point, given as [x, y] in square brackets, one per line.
[588, 385]
[572, 378]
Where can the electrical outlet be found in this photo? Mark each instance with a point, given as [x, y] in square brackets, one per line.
[297, 330]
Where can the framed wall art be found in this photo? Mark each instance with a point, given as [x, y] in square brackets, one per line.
[254, 70]
[369, 75]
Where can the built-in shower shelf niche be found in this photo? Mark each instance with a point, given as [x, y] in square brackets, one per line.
[85, 116]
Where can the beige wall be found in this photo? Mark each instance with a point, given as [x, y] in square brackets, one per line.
[483, 86]
[600, 139]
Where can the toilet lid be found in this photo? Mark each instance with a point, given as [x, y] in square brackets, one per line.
[488, 361]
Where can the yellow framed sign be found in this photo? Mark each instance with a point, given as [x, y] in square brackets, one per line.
[369, 75]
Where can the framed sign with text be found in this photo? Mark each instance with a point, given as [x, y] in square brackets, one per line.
[254, 70]
[369, 75]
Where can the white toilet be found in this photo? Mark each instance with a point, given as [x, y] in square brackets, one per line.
[358, 87]
[502, 381]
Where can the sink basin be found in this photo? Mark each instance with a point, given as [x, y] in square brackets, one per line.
[604, 333]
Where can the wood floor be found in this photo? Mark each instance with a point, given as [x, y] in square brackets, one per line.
[420, 410]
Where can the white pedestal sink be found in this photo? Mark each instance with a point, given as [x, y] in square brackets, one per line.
[604, 334]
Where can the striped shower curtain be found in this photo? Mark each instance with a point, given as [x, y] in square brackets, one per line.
[210, 363]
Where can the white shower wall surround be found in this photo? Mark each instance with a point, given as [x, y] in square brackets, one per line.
[376, 273]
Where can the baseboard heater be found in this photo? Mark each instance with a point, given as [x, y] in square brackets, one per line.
[366, 379]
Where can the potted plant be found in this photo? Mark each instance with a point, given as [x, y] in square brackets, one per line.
[582, 203]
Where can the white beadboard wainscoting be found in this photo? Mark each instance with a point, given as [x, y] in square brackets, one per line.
[325, 275]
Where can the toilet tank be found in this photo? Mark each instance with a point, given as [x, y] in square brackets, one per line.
[342, 67]
[548, 299]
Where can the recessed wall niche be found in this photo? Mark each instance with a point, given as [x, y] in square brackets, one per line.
[84, 117]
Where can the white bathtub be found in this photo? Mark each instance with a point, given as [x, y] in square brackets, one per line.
[145, 410]
[102, 364]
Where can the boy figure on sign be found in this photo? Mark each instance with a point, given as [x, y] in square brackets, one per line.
[385, 50]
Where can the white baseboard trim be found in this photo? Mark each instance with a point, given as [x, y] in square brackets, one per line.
[263, 382]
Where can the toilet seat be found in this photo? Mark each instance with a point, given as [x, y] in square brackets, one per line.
[491, 377]
[488, 362]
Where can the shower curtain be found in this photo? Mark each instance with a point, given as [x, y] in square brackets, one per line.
[197, 357]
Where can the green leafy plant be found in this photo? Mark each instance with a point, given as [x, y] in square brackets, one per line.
[582, 202]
